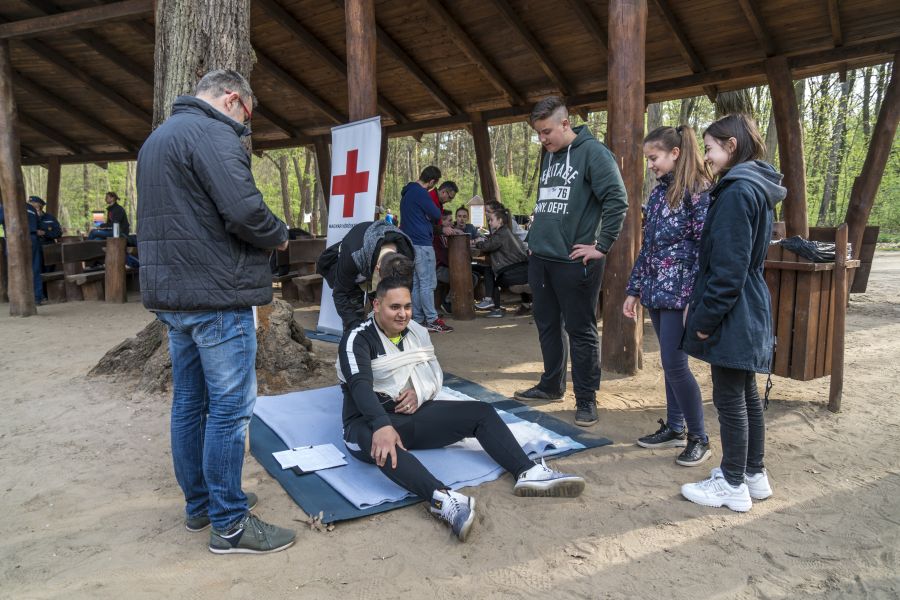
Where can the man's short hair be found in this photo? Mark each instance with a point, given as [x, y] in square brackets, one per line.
[462, 208]
[221, 81]
[449, 185]
[430, 173]
[392, 283]
[446, 213]
[547, 108]
[395, 265]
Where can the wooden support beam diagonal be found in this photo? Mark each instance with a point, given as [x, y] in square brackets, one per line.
[51, 134]
[834, 17]
[471, 50]
[587, 20]
[303, 35]
[47, 97]
[84, 18]
[546, 63]
[269, 114]
[684, 46]
[278, 72]
[754, 18]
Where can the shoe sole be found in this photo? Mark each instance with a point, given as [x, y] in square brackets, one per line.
[494, 316]
[586, 423]
[250, 550]
[561, 488]
[695, 463]
[467, 526]
[735, 506]
[669, 444]
[522, 398]
[208, 523]
[762, 496]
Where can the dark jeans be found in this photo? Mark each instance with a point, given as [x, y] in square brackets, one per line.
[436, 424]
[683, 401]
[516, 274]
[565, 302]
[743, 429]
[100, 234]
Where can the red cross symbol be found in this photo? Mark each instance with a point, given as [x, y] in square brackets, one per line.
[350, 183]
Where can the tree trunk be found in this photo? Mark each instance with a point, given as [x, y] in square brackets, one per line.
[86, 193]
[737, 101]
[867, 100]
[686, 110]
[836, 154]
[654, 120]
[507, 169]
[303, 184]
[526, 155]
[131, 193]
[317, 190]
[771, 138]
[283, 175]
[194, 37]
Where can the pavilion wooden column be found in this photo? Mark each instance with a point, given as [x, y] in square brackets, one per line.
[460, 257]
[862, 196]
[53, 179]
[484, 159]
[790, 144]
[359, 20]
[323, 171]
[114, 283]
[12, 190]
[621, 341]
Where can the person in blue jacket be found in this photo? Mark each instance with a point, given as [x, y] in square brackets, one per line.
[49, 230]
[728, 321]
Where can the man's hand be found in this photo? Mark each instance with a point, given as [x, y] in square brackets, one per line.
[628, 309]
[407, 402]
[448, 230]
[283, 246]
[586, 252]
[40, 233]
[384, 444]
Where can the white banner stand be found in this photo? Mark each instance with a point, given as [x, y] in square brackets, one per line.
[355, 157]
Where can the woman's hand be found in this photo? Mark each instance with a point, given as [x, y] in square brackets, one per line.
[407, 402]
[384, 444]
[628, 309]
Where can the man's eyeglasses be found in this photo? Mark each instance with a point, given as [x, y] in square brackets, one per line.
[248, 114]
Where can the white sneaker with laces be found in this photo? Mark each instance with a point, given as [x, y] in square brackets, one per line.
[541, 480]
[716, 492]
[757, 484]
[455, 509]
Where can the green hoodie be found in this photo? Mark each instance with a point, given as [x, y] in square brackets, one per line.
[581, 199]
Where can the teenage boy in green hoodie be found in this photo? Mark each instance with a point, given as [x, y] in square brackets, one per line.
[580, 208]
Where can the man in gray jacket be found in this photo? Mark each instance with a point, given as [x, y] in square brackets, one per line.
[204, 241]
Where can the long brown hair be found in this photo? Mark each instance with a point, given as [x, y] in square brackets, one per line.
[691, 171]
[750, 143]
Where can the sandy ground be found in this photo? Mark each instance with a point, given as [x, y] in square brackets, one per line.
[92, 509]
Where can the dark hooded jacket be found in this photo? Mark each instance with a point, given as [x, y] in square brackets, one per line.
[730, 302]
[205, 234]
[348, 266]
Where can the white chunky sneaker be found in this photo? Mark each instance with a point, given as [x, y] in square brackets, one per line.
[541, 480]
[456, 510]
[758, 484]
[716, 492]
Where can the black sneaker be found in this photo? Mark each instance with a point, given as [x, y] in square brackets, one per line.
[496, 313]
[696, 452]
[202, 522]
[665, 437]
[585, 412]
[536, 393]
[251, 535]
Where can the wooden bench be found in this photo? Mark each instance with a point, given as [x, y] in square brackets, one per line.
[309, 287]
[300, 258]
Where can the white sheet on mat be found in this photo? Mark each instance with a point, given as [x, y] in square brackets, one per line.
[313, 417]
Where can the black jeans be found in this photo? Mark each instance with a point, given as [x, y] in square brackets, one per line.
[743, 429]
[516, 274]
[565, 302]
[436, 424]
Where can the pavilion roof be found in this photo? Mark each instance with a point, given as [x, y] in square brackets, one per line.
[84, 80]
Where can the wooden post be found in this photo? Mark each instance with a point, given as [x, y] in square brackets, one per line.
[622, 337]
[461, 277]
[4, 295]
[840, 315]
[115, 270]
[862, 196]
[323, 168]
[53, 178]
[359, 20]
[484, 159]
[12, 191]
[790, 144]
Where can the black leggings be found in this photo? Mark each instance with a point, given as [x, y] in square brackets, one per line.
[436, 424]
[516, 274]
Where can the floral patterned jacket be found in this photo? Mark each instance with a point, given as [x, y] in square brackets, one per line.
[666, 269]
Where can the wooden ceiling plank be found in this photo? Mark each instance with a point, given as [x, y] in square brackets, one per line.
[754, 18]
[685, 48]
[278, 72]
[83, 18]
[50, 134]
[590, 23]
[546, 63]
[834, 17]
[471, 50]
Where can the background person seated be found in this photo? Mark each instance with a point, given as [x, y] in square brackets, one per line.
[509, 261]
[115, 214]
[462, 223]
[389, 409]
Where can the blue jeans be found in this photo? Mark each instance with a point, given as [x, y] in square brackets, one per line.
[214, 380]
[424, 282]
[100, 234]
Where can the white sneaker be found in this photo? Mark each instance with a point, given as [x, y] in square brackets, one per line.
[485, 304]
[456, 510]
[716, 492]
[541, 480]
[758, 484]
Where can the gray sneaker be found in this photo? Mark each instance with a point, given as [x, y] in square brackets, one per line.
[202, 522]
[251, 535]
[541, 480]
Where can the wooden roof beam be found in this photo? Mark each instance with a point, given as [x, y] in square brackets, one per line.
[590, 22]
[754, 18]
[685, 48]
[84, 18]
[468, 47]
[834, 17]
[546, 63]
[279, 73]
[267, 113]
[85, 157]
[302, 34]
[47, 97]
[51, 134]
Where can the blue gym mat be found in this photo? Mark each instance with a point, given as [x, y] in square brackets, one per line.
[323, 336]
[314, 495]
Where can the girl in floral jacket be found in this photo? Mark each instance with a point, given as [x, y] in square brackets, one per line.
[663, 279]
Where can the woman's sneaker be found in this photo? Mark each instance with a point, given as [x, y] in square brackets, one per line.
[456, 510]
[716, 492]
[251, 535]
[485, 304]
[696, 452]
[542, 481]
[757, 484]
[665, 437]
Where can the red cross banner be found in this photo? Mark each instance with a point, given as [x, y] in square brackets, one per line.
[355, 157]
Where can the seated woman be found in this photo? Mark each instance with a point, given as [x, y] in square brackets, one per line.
[509, 262]
[389, 376]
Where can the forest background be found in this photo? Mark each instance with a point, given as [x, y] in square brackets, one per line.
[838, 117]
